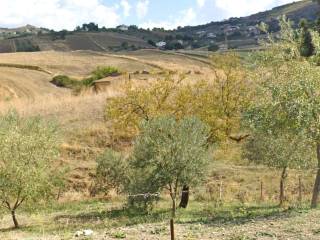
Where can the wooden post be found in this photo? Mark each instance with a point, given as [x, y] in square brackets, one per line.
[220, 191]
[261, 191]
[172, 229]
[300, 191]
[59, 194]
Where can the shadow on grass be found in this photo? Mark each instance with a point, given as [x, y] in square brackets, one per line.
[13, 229]
[233, 215]
[123, 216]
[237, 215]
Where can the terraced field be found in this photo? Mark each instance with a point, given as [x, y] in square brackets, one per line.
[6, 46]
[25, 83]
[28, 83]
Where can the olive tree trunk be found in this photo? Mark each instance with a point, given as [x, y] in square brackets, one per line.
[316, 188]
[173, 215]
[184, 197]
[15, 221]
[282, 196]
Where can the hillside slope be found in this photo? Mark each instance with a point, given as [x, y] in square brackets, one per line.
[240, 32]
[243, 33]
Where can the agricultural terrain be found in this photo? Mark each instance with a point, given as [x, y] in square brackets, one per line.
[31, 93]
[25, 86]
[103, 89]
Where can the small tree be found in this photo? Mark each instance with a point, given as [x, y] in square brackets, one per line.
[281, 152]
[306, 45]
[170, 154]
[112, 171]
[288, 93]
[288, 102]
[28, 147]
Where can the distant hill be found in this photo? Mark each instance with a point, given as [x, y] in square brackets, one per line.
[234, 33]
[243, 32]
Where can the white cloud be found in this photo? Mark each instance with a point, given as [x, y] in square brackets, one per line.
[56, 14]
[201, 3]
[126, 7]
[237, 8]
[142, 8]
[185, 17]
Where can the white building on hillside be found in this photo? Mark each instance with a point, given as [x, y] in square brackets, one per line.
[123, 27]
[211, 35]
[161, 44]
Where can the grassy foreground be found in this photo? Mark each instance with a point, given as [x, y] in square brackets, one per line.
[202, 220]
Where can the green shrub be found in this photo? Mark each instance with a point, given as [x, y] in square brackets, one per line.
[88, 82]
[213, 48]
[65, 81]
[99, 73]
[112, 171]
[103, 72]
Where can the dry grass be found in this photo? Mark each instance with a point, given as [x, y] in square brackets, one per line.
[24, 83]
[68, 110]
[29, 83]
[79, 63]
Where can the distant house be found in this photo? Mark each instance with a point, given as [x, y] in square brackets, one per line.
[229, 30]
[211, 35]
[252, 30]
[201, 32]
[123, 28]
[161, 44]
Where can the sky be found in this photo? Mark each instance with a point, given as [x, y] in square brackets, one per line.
[67, 14]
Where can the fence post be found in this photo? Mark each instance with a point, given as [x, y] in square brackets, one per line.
[172, 228]
[220, 191]
[300, 191]
[261, 191]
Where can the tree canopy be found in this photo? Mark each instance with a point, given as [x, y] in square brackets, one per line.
[28, 150]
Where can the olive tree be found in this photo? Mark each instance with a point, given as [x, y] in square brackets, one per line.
[113, 172]
[169, 154]
[28, 149]
[288, 94]
[290, 102]
[281, 152]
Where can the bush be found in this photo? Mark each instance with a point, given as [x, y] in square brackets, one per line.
[213, 48]
[152, 43]
[112, 171]
[174, 46]
[65, 81]
[103, 72]
[99, 73]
